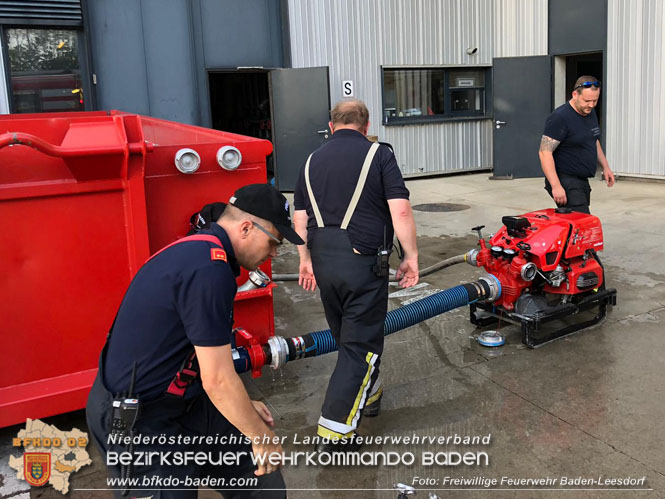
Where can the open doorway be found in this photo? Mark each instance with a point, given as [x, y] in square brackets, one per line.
[567, 68]
[240, 103]
[290, 107]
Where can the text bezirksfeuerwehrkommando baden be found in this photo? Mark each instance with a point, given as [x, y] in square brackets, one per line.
[164, 450]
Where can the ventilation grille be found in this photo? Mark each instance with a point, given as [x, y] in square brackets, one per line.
[63, 12]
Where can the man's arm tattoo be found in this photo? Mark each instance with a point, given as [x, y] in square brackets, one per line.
[548, 143]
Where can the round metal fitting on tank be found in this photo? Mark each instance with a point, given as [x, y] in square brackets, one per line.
[257, 279]
[229, 158]
[187, 160]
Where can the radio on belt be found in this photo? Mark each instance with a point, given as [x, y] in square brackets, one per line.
[125, 411]
[382, 266]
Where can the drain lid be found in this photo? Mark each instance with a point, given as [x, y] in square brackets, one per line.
[491, 339]
[431, 207]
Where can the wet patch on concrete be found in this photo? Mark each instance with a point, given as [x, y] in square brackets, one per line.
[652, 317]
[440, 207]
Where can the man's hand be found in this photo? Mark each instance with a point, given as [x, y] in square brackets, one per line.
[559, 195]
[602, 162]
[405, 230]
[306, 275]
[264, 412]
[407, 273]
[609, 177]
[263, 452]
[262, 447]
[227, 392]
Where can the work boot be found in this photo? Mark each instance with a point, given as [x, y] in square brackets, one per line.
[373, 408]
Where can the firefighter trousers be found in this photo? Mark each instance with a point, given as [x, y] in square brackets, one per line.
[169, 433]
[355, 302]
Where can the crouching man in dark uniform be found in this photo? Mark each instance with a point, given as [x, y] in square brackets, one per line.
[349, 198]
[170, 348]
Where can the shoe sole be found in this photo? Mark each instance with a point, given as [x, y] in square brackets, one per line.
[372, 412]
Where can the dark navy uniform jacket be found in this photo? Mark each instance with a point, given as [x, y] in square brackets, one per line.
[334, 170]
[180, 298]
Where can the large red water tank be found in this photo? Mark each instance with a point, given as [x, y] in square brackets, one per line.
[85, 199]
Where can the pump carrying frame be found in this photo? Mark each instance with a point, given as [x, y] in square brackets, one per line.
[483, 314]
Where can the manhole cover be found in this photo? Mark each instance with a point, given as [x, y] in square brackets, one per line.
[440, 207]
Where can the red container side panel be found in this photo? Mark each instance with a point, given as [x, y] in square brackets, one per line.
[85, 199]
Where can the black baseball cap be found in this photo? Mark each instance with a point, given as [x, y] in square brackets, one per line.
[266, 202]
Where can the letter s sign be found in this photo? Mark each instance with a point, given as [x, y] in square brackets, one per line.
[347, 88]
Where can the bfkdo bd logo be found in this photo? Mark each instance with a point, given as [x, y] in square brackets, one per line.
[37, 468]
[50, 455]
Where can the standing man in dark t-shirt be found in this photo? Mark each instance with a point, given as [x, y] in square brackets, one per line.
[349, 197]
[570, 150]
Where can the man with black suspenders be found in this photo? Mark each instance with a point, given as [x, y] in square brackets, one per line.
[349, 198]
[166, 373]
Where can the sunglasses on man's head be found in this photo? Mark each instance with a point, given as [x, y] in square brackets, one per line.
[588, 84]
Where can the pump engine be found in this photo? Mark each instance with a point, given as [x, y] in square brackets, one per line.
[548, 268]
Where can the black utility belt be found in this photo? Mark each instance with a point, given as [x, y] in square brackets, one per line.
[572, 177]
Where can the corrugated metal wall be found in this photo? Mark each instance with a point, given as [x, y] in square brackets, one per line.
[355, 38]
[152, 56]
[635, 87]
[520, 28]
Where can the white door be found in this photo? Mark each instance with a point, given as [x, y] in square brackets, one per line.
[4, 102]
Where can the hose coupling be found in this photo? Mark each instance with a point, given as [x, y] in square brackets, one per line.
[257, 279]
[492, 287]
[528, 271]
[279, 351]
[471, 257]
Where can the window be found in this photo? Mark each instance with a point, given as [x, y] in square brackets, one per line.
[421, 95]
[45, 71]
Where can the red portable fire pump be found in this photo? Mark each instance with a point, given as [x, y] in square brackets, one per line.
[548, 267]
